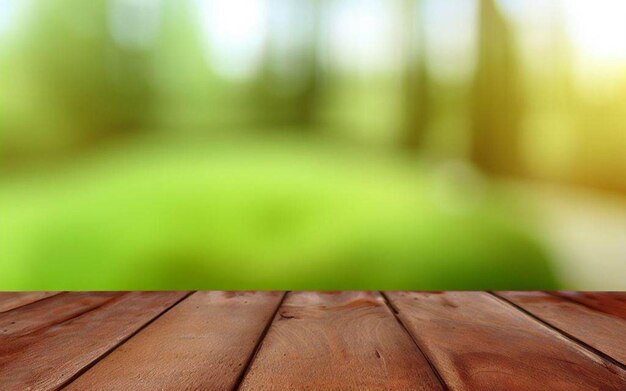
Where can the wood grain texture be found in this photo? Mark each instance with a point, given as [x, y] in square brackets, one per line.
[611, 303]
[593, 323]
[339, 341]
[204, 343]
[478, 342]
[47, 357]
[11, 300]
[41, 314]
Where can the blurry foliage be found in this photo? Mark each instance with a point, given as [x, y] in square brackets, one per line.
[83, 75]
[69, 82]
[276, 214]
[86, 87]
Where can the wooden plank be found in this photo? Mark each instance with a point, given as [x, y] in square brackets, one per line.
[594, 324]
[40, 314]
[11, 300]
[204, 343]
[48, 357]
[340, 341]
[479, 342]
[612, 303]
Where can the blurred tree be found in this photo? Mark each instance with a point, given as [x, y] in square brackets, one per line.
[497, 96]
[288, 88]
[97, 87]
[416, 81]
[307, 99]
[309, 95]
[549, 117]
[183, 79]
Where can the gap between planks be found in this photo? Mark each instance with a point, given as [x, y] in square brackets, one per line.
[86, 311]
[338, 340]
[10, 307]
[395, 311]
[591, 350]
[259, 343]
[122, 342]
[571, 338]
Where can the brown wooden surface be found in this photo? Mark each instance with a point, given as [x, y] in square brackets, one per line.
[203, 343]
[346, 341]
[480, 343]
[10, 300]
[49, 357]
[334, 340]
[611, 303]
[592, 323]
[45, 313]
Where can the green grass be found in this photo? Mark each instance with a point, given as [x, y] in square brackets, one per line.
[273, 215]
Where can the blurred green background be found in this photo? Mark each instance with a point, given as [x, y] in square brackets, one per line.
[312, 144]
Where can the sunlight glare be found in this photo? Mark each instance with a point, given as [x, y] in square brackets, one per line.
[598, 29]
[236, 31]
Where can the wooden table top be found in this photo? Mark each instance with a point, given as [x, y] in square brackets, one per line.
[211, 340]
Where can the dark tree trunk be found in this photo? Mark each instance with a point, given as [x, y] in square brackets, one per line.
[416, 82]
[496, 97]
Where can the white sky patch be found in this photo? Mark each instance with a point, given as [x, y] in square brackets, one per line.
[451, 38]
[235, 32]
[536, 26]
[514, 9]
[598, 28]
[134, 24]
[291, 25]
[11, 14]
[363, 36]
